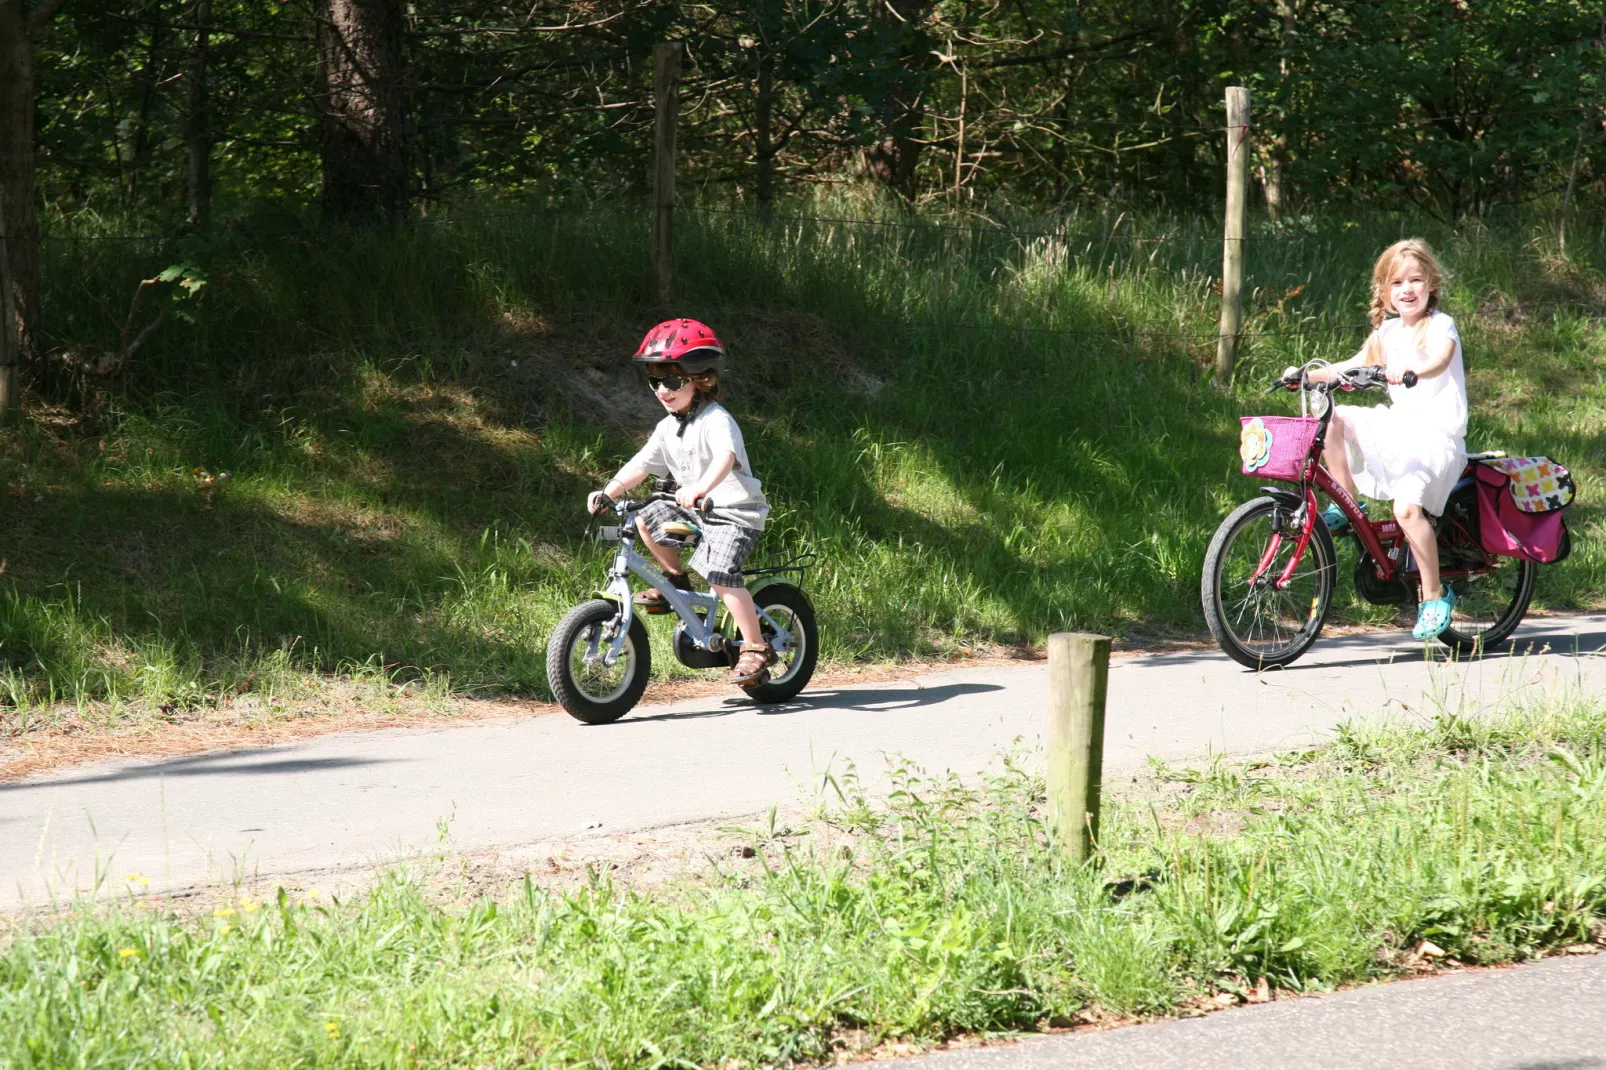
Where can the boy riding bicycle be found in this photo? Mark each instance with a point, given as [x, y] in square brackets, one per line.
[699, 445]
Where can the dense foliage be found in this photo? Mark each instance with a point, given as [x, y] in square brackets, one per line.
[1453, 107]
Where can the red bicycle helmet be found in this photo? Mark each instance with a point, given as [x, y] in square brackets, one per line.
[686, 344]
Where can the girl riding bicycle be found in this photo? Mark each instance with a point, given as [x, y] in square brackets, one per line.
[1412, 450]
[699, 445]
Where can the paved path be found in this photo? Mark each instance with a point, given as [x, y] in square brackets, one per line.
[1546, 1016]
[360, 798]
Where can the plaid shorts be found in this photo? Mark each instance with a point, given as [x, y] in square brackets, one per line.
[722, 551]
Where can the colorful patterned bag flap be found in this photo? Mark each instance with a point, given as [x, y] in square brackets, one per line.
[1538, 484]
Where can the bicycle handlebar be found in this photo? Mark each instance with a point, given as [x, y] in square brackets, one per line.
[1362, 378]
[705, 505]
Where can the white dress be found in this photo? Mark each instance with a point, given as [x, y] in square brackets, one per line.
[1412, 450]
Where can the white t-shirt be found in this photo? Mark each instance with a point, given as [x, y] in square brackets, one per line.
[1437, 404]
[685, 451]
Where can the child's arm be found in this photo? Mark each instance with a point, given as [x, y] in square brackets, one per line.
[1432, 359]
[627, 478]
[687, 497]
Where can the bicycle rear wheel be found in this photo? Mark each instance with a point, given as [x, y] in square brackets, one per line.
[1256, 624]
[1489, 607]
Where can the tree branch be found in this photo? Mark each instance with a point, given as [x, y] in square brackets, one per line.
[39, 16]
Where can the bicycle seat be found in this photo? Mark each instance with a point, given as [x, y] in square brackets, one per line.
[687, 532]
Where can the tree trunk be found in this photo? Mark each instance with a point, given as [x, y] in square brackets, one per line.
[362, 121]
[1277, 160]
[139, 144]
[764, 132]
[16, 175]
[893, 158]
[198, 134]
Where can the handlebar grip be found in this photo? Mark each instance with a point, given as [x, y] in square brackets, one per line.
[1409, 379]
[705, 505]
[604, 505]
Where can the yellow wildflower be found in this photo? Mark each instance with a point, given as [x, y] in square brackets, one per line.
[128, 953]
[223, 912]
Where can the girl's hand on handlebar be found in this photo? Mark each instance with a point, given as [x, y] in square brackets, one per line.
[1407, 379]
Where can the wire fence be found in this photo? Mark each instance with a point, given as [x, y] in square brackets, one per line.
[1068, 236]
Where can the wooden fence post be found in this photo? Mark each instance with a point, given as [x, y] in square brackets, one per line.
[9, 340]
[1232, 253]
[666, 89]
[1078, 674]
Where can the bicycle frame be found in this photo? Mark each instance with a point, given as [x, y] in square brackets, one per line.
[703, 628]
[1316, 477]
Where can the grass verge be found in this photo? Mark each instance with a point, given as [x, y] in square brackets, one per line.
[363, 453]
[946, 914]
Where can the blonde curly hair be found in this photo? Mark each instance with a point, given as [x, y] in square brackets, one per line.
[1393, 260]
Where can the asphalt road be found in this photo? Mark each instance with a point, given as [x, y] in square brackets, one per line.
[1546, 1016]
[357, 799]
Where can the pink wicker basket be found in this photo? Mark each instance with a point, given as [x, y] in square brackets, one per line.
[1276, 447]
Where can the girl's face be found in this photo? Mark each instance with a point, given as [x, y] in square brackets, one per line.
[675, 400]
[1408, 291]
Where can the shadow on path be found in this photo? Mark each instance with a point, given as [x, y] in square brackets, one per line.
[868, 700]
[204, 765]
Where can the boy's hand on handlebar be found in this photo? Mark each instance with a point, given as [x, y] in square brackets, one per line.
[687, 498]
[598, 502]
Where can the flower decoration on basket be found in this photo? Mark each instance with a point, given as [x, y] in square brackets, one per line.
[1254, 444]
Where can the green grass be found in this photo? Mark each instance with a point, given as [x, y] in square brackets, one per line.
[949, 914]
[409, 421]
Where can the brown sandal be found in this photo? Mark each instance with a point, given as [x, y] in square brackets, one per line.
[652, 600]
[753, 666]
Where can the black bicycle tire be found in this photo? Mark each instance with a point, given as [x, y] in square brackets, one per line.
[564, 688]
[1210, 594]
[1509, 620]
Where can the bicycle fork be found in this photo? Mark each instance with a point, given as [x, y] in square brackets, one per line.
[1311, 520]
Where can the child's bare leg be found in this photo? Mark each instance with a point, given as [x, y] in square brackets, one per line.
[740, 602]
[1419, 535]
[667, 556]
[1336, 454]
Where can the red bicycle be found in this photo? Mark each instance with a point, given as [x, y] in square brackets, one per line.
[1272, 566]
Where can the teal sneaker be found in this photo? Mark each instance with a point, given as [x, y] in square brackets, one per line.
[1336, 520]
[1434, 616]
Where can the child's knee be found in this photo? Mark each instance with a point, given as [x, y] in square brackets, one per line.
[1407, 512]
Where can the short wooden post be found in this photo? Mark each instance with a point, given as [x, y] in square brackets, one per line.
[1232, 253]
[9, 340]
[1078, 675]
[666, 89]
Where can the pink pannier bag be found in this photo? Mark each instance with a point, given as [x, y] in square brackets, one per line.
[1276, 447]
[1507, 531]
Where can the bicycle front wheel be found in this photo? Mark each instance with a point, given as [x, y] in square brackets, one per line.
[1257, 624]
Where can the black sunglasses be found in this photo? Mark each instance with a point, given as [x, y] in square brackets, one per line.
[672, 381]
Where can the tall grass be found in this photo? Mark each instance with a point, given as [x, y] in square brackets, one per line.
[948, 913]
[987, 434]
